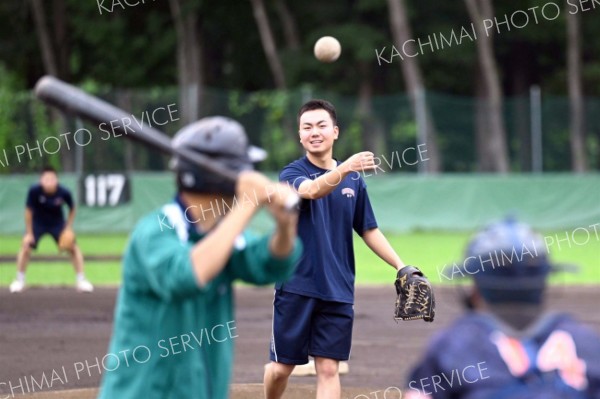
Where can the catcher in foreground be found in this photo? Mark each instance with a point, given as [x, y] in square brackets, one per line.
[44, 215]
[508, 344]
[415, 296]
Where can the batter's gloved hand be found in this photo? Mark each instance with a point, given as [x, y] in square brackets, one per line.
[66, 240]
[415, 298]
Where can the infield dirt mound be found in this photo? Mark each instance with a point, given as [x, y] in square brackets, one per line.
[238, 391]
[45, 329]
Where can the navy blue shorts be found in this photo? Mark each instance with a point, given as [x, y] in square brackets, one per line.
[304, 326]
[40, 230]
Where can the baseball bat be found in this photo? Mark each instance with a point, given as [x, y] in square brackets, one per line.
[74, 101]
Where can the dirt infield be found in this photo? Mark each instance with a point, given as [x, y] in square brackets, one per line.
[46, 331]
[238, 391]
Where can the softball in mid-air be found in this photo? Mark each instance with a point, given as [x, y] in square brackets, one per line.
[327, 49]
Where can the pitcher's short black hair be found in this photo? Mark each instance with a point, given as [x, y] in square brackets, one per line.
[319, 104]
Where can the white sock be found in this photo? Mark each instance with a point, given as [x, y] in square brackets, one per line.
[21, 276]
[80, 277]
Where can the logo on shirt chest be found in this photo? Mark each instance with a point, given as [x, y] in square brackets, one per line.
[348, 192]
[51, 202]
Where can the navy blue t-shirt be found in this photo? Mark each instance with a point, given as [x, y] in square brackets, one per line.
[477, 346]
[47, 209]
[326, 268]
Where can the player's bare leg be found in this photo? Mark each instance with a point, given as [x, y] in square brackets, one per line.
[328, 378]
[276, 379]
[24, 254]
[77, 259]
[22, 261]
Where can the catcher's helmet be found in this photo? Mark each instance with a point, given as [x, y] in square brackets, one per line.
[509, 263]
[221, 139]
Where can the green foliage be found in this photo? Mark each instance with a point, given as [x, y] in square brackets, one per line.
[136, 47]
[45, 125]
[278, 125]
[404, 132]
[553, 141]
[9, 86]
[350, 140]
[124, 48]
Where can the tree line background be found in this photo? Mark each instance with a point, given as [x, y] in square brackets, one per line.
[253, 60]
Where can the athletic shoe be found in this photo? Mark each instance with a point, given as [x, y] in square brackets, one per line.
[16, 286]
[343, 368]
[84, 286]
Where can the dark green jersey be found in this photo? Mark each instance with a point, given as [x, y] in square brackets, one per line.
[172, 338]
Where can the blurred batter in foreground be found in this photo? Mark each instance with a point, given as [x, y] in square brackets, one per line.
[174, 327]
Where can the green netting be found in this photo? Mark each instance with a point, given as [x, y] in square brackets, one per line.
[270, 120]
[402, 202]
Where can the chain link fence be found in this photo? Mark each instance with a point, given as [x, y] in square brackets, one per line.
[31, 135]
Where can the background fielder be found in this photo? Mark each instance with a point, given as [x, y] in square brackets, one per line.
[44, 215]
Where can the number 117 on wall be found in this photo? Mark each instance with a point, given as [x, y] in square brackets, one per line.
[105, 190]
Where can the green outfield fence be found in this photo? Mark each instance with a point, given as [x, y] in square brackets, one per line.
[402, 202]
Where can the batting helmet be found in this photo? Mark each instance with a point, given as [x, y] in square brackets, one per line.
[224, 141]
[509, 263]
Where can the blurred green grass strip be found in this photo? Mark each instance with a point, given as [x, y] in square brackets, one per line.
[428, 250]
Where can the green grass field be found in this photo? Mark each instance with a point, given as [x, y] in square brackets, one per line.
[431, 251]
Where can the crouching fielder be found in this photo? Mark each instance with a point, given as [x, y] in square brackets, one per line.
[174, 326]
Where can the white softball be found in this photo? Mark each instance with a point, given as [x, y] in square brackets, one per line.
[327, 49]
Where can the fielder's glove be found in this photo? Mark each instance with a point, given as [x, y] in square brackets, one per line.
[66, 240]
[415, 296]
